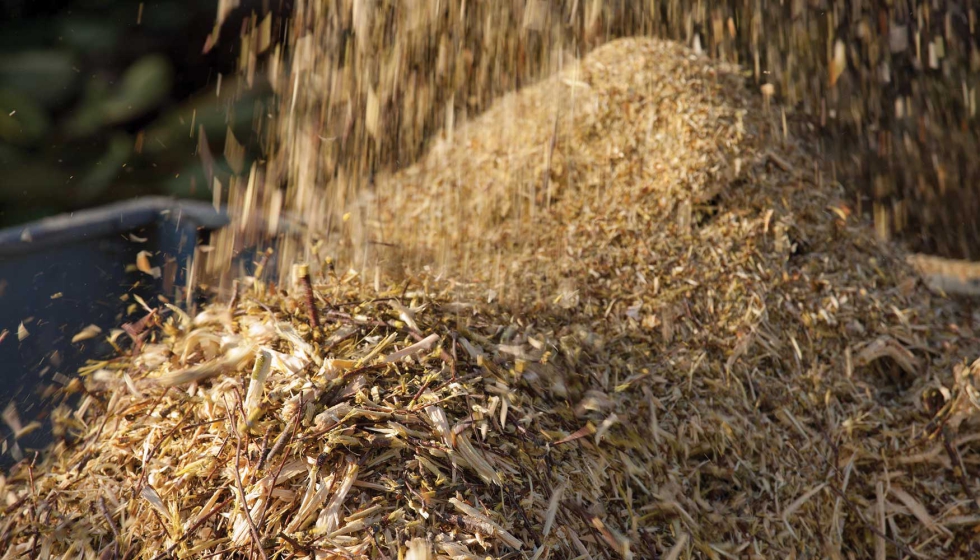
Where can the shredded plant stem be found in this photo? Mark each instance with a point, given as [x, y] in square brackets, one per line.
[682, 344]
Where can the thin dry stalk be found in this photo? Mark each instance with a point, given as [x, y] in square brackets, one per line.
[256, 536]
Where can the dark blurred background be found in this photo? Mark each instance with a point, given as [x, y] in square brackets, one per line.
[102, 100]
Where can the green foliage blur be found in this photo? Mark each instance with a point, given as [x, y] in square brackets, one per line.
[102, 100]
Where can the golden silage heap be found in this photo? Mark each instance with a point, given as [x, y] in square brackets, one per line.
[649, 327]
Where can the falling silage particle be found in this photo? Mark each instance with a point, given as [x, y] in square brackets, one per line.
[87, 333]
[144, 266]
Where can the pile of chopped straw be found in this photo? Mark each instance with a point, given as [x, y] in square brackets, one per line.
[630, 315]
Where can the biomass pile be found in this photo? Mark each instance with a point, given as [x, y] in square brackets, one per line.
[648, 202]
[625, 313]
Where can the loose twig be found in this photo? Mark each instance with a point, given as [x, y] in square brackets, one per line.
[241, 494]
[958, 467]
[256, 537]
[276, 447]
[280, 443]
[295, 543]
[112, 526]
